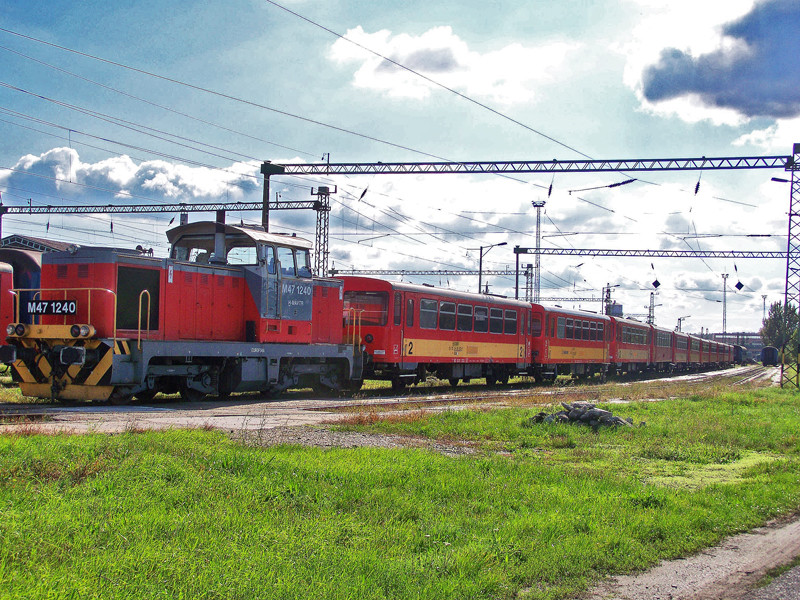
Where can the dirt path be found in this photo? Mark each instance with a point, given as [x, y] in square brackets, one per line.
[728, 571]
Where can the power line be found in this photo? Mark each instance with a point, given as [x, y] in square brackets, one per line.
[221, 94]
[428, 79]
[155, 104]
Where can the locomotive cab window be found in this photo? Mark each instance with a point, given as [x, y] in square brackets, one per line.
[269, 258]
[303, 263]
[286, 258]
[410, 312]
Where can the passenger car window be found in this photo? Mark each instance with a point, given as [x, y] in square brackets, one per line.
[511, 322]
[398, 308]
[427, 313]
[481, 319]
[410, 312]
[496, 320]
[371, 308]
[536, 326]
[447, 316]
[464, 317]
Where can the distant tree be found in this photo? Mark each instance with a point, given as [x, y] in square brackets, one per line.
[780, 326]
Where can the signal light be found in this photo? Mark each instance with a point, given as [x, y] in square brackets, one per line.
[20, 329]
[80, 330]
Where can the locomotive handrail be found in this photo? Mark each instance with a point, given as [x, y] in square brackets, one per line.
[139, 331]
[355, 324]
[38, 291]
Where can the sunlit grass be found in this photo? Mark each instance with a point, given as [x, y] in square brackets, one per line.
[539, 511]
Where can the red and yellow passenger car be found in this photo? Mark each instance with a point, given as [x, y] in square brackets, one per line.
[410, 331]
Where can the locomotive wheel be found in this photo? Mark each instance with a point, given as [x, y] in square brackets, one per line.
[146, 396]
[398, 384]
[119, 399]
[453, 381]
[190, 394]
[491, 380]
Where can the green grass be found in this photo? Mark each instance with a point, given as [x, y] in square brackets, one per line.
[539, 511]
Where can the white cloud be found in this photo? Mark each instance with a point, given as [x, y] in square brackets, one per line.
[508, 75]
[778, 137]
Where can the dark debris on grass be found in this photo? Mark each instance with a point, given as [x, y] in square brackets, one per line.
[580, 413]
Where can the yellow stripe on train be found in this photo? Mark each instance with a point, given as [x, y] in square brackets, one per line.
[577, 353]
[422, 348]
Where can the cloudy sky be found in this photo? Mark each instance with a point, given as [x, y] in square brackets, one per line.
[161, 102]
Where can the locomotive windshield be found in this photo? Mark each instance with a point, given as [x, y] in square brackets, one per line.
[239, 250]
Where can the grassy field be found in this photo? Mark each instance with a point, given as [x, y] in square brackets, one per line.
[537, 511]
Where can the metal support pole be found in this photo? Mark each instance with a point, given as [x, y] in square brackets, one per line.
[267, 169]
[480, 269]
[538, 204]
[323, 208]
[790, 374]
[724, 303]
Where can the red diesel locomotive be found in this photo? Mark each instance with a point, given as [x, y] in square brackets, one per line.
[232, 309]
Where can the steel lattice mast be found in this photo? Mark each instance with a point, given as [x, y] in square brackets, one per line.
[791, 349]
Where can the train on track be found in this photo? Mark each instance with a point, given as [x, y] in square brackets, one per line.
[235, 308]
[410, 331]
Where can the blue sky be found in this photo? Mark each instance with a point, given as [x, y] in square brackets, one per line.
[625, 79]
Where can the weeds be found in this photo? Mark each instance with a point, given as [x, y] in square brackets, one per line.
[195, 514]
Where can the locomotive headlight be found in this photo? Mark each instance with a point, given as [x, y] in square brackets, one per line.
[20, 329]
[84, 330]
[368, 338]
[75, 330]
[11, 330]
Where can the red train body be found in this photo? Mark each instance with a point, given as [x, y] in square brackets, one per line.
[237, 309]
[231, 309]
[411, 330]
[544, 342]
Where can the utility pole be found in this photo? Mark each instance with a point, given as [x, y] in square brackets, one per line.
[538, 205]
[323, 208]
[724, 303]
[529, 283]
[651, 314]
[764, 310]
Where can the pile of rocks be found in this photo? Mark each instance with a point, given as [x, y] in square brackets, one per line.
[581, 413]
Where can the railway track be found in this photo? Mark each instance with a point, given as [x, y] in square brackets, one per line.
[247, 412]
